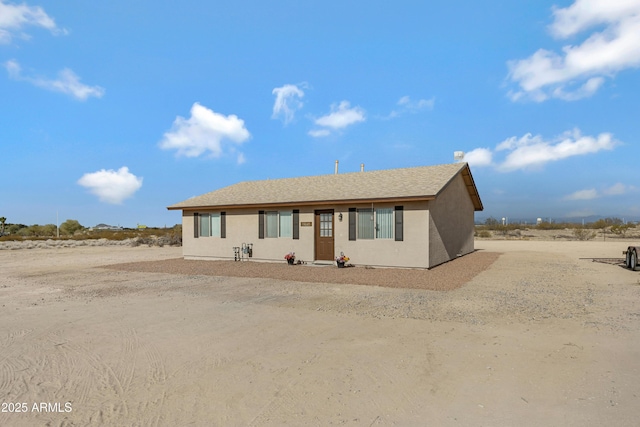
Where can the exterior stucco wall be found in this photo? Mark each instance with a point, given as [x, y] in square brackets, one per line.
[451, 218]
[412, 251]
[242, 227]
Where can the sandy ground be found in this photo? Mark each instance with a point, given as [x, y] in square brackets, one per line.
[539, 338]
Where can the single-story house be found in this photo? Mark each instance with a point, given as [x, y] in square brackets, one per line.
[410, 217]
[107, 227]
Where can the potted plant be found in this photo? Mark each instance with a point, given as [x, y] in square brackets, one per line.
[291, 258]
[341, 260]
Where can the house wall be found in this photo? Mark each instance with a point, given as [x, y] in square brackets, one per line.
[451, 223]
[242, 227]
[412, 251]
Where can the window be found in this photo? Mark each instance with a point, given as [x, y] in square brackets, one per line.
[215, 224]
[365, 224]
[279, 224]
[384, 223]
[286, 224]
[210, 225]
[326, 225]
[271, 224]
[205, 225]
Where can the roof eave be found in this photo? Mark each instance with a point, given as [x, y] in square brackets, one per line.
[465, 171]
[307, 203]
[472, 189]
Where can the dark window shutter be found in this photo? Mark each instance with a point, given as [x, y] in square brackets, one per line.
[223, 225]
[196, 225]
[352, 223]
[399, 223]
[260, 224]
[296, 224]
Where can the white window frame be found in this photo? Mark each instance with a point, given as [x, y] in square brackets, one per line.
[273, 224]
[211, 221]
[271, 230]
[365, 231]
[285, 229]
[376, 231]
[384, 229]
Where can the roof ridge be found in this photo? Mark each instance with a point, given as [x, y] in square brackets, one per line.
[355, 172]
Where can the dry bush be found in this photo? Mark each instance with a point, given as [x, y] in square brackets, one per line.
[483, 233]
[583, 233]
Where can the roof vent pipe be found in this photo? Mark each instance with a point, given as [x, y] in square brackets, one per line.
[336, 172]
[361, 167]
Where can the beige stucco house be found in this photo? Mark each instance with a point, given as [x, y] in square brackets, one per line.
[410, 217]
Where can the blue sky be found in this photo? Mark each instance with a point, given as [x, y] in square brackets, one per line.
[111, 111]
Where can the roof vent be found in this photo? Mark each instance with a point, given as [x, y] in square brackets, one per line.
[336, 172]
[458, 156]
[361, 167]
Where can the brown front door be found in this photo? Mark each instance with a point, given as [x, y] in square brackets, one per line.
[324, 235]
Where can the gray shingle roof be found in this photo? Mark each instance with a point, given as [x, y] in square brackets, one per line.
[408, 183]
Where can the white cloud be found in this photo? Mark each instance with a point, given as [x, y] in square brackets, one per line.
[479, 157]
[13, 68]
[533, 151]
[617, 189]
[14, 17]
[407, 105]
[341, 116]
[591, 193]
[204, 131]
[111, 186]
[580, 70]
[241, 159]
[288, 101]
[319, 133]
[67, 82]
[410, 105]
[586, 90]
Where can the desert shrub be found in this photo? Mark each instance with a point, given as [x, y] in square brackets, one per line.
[170, 239]
[621, 229]
[13, 228]
[70, 227]
[148, 236]
[582, 233]
[484, 233]
[546, 225]
[145, 240]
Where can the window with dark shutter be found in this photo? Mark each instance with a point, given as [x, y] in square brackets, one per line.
[296, 224]
[196, 225]
[352, 223]
[399, 223]
[260, 224]
[223, 225]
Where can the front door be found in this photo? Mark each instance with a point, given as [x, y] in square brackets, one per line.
[324, 235]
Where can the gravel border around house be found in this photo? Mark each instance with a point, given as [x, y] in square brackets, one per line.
[445, 277]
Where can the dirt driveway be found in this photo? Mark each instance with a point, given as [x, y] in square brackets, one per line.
[539, 338]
